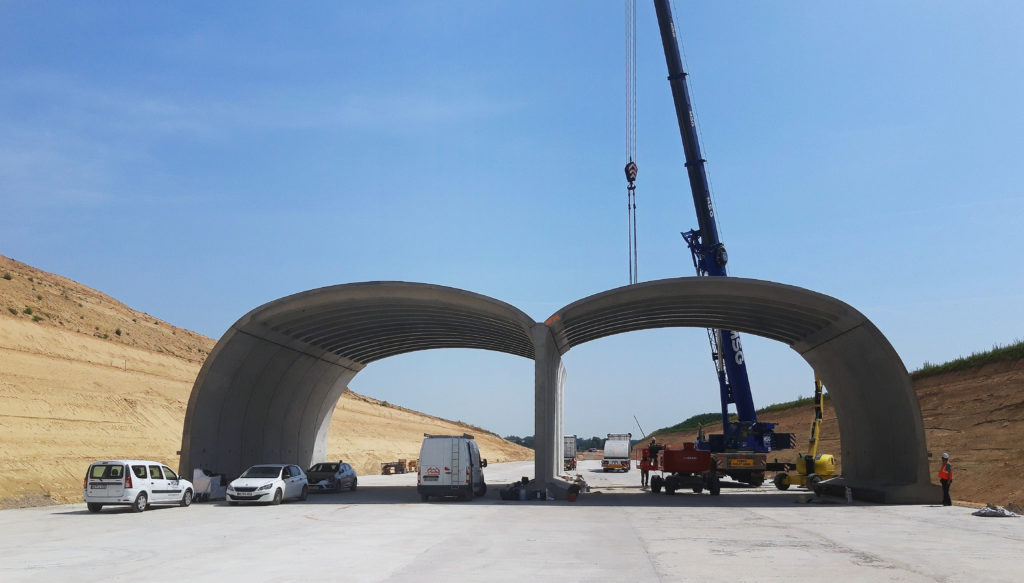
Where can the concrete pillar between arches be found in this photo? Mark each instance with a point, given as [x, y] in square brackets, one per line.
[549, 380]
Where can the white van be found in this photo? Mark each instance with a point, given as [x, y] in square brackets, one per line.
[137, 483]
[450, 465]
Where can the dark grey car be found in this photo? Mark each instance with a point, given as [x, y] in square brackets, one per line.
[331, 477]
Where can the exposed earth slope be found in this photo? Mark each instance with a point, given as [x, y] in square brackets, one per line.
[84, 377]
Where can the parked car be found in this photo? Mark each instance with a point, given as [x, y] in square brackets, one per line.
[135, 483]
[271, 483]
[331, 477]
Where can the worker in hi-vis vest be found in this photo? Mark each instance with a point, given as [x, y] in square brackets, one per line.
[946, 478]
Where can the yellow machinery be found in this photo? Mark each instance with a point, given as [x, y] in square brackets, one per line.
[812, 467]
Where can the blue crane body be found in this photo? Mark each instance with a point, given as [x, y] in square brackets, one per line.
[746, 433]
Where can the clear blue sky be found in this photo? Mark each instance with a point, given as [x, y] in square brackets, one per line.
[196, 160]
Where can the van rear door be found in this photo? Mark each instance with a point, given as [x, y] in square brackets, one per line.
[106, 481]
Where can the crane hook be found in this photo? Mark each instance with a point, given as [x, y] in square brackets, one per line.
[631, 171]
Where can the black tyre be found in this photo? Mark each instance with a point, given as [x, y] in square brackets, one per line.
[715, 490]
[781, 481]
[355, 482]
[481, 490]
[186, 499]
[141, 502]
[656, 483]
[813, 482]
[94, 506]
[278, 496]
[305, 493]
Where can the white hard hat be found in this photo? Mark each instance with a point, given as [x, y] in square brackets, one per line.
[945, 456]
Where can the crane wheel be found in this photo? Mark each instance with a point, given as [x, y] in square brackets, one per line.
[781, 481]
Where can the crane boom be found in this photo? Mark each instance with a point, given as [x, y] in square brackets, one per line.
[709, 258]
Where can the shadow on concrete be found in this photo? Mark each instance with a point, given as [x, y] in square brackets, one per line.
[612, 496]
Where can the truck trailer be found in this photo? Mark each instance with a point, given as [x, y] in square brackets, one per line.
[616, 452]
[569, 453]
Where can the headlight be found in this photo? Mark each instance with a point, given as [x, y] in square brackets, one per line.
[266, 486]
[231, 487]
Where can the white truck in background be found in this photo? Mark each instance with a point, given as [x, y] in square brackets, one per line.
[616, 452]
[568, 453]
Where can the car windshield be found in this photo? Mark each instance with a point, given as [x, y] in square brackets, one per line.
[262, 472]
[324, 468]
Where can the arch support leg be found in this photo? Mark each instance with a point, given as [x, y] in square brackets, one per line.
[549, 379]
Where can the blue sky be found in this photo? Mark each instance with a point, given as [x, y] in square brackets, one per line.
[196, 160]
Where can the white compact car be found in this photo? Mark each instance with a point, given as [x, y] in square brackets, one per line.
[268, 483]
[137, 483]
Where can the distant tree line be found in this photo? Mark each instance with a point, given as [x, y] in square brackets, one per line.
[582, 443]
[523, 441]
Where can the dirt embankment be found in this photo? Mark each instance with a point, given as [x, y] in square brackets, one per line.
[83, 377]
[976, 416]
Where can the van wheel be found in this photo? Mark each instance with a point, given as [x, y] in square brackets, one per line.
[94, 506]
[277, 497]
[304, 494]
[186, 499]
[481, 490]
[140, 502]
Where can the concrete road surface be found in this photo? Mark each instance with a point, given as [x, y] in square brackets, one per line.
[617, 532]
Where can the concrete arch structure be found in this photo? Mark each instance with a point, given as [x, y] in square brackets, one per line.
[884, 452]
[268, 389]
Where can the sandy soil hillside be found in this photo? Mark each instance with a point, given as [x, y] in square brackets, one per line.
[977, 416]
[83, 377]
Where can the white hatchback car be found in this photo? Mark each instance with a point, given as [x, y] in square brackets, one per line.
[138, 483]
[268, 483]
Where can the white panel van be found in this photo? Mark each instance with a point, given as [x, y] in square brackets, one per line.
[450, 465]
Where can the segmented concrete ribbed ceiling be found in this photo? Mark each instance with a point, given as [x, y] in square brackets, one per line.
[368, 322]
[783, 313]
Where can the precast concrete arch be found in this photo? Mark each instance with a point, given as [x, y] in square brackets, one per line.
[884, 453]
[268, 389]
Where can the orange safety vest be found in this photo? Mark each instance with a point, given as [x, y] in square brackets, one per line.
[945, 471]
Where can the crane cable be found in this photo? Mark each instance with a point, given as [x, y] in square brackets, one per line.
[631, 167]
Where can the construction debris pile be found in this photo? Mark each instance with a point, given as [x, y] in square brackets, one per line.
[997, 511]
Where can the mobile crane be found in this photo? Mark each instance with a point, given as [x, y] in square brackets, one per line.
[740, 451]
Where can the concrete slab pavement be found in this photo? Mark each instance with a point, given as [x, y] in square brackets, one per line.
[617, 532]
